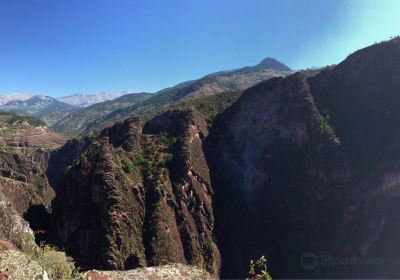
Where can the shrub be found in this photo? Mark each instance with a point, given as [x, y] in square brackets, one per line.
[168, 157]
[56, 263]
[258, 270]
[127, 166]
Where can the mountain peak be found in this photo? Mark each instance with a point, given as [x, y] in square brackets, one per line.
[41, 97]
[5, 98]
[272, 63]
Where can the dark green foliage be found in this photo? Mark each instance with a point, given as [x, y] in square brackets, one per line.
[155, 154]
[168, 157]
[127, 165]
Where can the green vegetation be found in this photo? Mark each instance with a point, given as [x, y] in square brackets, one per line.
[258, 270]
[156, 154]
[55, 262]
[40, 181]
[168, 157]
[209, 106]
[127, 166]
[12, 118]
[324, 123]
[92, 116]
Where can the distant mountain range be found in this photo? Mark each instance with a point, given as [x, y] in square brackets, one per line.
[13, 96]
[77, 121]
[84, 100]
[78, 99]
[219, 82]
[46, 108]
[79, 113]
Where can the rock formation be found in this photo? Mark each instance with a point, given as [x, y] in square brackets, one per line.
[306, 168]
[166, 272]
[132, 199]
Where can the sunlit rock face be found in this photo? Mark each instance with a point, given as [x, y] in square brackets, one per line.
[166, 272]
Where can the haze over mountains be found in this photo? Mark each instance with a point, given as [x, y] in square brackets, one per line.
[5, 98]
[84, 100]
[78, 99]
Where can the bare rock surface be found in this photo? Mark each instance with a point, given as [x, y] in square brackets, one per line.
[165, 272]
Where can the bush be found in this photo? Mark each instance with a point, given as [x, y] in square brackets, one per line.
[56, 263]
[258, 270]
[127, 166]
[168, 157]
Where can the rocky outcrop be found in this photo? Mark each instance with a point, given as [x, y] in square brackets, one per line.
[25, 147]
[133, 199]
[23, 180]
[187, 192]
[277, 171]
[166, 272]
[16, 265]
[305, 171]
[99, 208]
[13, 229]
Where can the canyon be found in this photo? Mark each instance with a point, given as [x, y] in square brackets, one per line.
[302, 168]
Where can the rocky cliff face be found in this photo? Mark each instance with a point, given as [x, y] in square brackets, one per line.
[278, 173]
[133, 198]
[305, 171]
[25, 145]
[99, 207]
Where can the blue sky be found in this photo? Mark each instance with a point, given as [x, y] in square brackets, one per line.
[61, 47]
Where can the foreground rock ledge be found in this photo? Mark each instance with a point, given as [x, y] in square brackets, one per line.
[166, 272]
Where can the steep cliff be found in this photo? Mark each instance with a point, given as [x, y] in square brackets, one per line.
[132, 199]
[99, 207]
[305, 170]
[25, 146]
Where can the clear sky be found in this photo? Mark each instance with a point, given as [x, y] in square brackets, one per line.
[61, 47]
